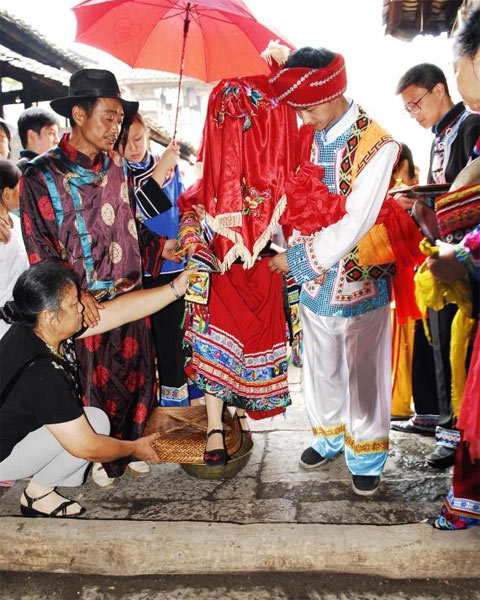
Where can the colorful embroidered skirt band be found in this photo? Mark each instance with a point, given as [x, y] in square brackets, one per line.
[242, 358]
[462, 505]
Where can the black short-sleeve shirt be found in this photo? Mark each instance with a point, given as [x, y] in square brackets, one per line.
[45, 394]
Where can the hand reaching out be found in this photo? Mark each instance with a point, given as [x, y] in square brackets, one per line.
[144, 450]
[91, 307]
[168, 252]
[181, 282]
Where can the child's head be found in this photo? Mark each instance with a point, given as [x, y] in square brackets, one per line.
[9, 184]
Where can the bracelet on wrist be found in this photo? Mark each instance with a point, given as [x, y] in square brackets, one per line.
[175, 293]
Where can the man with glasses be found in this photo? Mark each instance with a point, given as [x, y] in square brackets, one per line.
[424, 92]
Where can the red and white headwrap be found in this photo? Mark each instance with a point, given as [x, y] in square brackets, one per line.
[302, 87]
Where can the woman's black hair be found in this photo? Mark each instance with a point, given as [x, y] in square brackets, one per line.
[128, 121]
[9, 174]
[406, 154]
[467, 41]
[39, 288]
[310, 58]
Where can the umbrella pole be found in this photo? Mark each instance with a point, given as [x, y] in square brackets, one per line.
[186, 25]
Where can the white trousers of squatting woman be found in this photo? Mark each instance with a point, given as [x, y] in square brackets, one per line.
[41, 456]
[348, 386]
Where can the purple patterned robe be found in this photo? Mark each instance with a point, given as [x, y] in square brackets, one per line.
[90, 225]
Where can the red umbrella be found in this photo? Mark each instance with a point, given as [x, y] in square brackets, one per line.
[206, 39]
[224, 38]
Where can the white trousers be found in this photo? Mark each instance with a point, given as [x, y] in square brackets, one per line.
[347, 386]
[41, 456]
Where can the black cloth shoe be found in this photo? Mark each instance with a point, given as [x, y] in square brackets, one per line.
[311, 458]
[365, 485]
[442, 457]
[410, 427]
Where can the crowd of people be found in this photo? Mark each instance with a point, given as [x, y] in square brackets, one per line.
[131, 276]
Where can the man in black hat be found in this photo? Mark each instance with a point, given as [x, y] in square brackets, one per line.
[75, 205]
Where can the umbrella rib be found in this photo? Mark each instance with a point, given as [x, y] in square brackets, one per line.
[204, 53]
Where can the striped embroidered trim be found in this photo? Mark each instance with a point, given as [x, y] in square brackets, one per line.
[293, 87]
[329, 431]
[323, 101]
[372, 447]
[371, 153]
[329, 78]
[312, 259]
[463, 506]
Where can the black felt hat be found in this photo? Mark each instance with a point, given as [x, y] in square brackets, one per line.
[91, 83]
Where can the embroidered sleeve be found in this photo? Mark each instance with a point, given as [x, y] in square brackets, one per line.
[39, 225]
[189, 233]
[302, 262]
[468, 252]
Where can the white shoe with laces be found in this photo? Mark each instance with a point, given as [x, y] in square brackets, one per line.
[100, 477]
[138, 468]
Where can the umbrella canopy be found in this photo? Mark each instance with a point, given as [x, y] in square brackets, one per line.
[205, 39]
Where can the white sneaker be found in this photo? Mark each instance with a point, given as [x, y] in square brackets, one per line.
[138, 468]
[100, 477]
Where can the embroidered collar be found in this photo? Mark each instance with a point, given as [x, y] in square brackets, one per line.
[144, 164]
[78, 157]
[28, 154]
[341, 125]
[448, 118]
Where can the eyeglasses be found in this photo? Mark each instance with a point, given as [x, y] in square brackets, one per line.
[414, 107]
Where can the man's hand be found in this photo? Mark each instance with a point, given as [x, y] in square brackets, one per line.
[91, 307]
[279, 263]
[144, 450]
[444, 265]
[405, 201]
[5, 230]
[168, 252]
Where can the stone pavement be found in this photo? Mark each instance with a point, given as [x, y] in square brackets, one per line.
[272, 515]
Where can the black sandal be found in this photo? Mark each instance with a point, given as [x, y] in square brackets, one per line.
[246, 432]
[218, 456]
[59, 512]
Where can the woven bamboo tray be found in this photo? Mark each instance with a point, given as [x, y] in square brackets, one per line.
[182, 433]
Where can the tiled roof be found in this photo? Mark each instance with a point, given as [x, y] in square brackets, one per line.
[12, 29]
[404, 19]
[33, 66]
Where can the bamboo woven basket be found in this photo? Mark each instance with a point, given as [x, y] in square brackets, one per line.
[182, 433]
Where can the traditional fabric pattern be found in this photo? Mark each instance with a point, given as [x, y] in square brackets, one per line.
[353, 271]
[370, 447]
[458, 213]
[241, 357]
[329, 431]
[61, 211]
[348, 157]
[174, 396]
[442, 146]
[450, 438]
